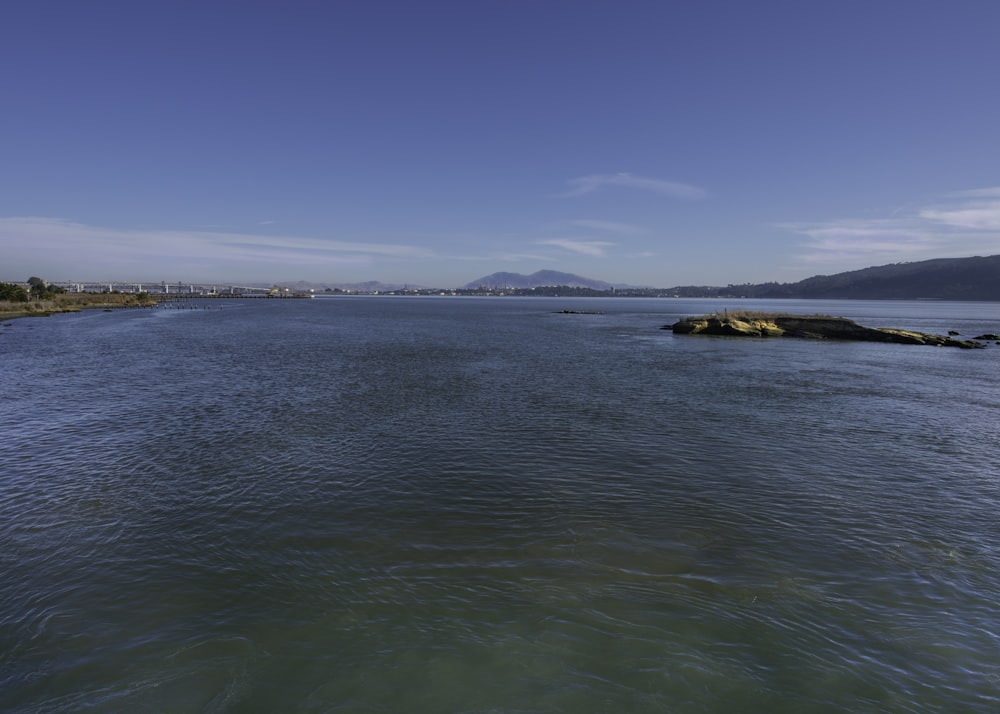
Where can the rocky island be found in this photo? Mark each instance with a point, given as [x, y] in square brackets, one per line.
[821, 327]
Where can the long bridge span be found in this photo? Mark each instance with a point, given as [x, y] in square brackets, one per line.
[163, 288]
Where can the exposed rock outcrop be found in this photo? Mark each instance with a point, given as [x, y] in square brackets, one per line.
[806, 326]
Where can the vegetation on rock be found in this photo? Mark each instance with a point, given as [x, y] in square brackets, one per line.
[762, 324]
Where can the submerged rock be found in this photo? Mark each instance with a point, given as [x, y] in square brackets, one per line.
[989, 336]
[818, 327]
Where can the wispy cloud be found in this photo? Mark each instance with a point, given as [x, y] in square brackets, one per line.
[75, 250]
[585, 247]
[965, 223]
[604, 226]
[977, 210]
[990, 192]
[504, 257]
[588, 184]
[521, 257]
[860, 241]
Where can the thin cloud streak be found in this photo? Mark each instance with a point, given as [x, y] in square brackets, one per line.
[968, 224]
[84, 250]
[986, 218]
[593, 247]
[976, 210]
[584, 185]
[990, 192]
[503, 257]
[606, 226]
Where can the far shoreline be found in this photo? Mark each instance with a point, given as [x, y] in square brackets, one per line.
[74, 302]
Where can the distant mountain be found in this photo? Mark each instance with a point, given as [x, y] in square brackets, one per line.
[976, 278]
[542, 278]
[367, 286]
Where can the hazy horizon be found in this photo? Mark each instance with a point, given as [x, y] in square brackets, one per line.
[378, 284]
[644, 144]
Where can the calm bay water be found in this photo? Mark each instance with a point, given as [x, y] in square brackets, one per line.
[481, 505]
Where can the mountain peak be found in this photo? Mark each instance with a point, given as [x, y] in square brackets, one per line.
[541, 278]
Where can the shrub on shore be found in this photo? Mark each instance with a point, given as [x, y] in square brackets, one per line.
[71, 302]
[9, 292]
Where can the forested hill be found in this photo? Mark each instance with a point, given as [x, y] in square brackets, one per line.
[975, 278]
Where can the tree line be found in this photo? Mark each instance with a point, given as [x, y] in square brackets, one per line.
[37, 289]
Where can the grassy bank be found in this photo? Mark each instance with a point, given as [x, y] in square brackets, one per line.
[73, 302]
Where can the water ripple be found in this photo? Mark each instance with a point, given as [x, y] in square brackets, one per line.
[484, 506]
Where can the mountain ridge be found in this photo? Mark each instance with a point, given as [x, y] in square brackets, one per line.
[538, 279]
[970, 278]
[973, 278]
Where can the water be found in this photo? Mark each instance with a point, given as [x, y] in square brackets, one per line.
[480, 505]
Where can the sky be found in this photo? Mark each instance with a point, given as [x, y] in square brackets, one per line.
[655, 143]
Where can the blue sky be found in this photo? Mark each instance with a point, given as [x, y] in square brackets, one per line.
[646, 143]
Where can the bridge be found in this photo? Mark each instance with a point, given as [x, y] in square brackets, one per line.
[164, 288]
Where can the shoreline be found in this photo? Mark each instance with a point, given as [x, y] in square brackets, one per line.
[47, 308]
[78, 302]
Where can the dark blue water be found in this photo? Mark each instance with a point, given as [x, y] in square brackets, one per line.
[480, 505]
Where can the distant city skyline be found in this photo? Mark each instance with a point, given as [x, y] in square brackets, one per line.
[640, 143]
